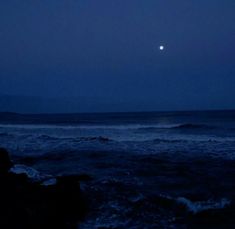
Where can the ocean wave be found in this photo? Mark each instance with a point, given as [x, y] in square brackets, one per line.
[31, 173]
[199, 206]
[192, 139]
[175, 126]
[193, 126]
[99, 138]
[46, 137]
[193, 207]
[3, 134]
[142, 127]
[159, 140]
[74, 139]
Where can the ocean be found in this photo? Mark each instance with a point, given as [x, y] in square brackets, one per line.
[143, 165]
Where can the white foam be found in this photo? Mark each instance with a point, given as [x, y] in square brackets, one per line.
[88, 126]
[31, 173]
[199, 206]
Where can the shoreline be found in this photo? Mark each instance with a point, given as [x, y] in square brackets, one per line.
[173, 192]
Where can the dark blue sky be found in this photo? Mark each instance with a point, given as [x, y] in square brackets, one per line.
[108, 51]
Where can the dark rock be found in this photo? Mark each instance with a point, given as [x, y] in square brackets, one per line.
[5, 162]
[76, 177]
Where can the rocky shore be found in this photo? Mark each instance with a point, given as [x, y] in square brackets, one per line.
[127, 194]
[28, 203]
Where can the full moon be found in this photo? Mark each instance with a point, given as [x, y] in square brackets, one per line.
[161, 47]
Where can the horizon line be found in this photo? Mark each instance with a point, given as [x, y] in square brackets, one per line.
[115, 112]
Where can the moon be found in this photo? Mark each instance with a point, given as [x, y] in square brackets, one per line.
[161, 47]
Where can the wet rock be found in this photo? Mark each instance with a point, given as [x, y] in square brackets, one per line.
[81, 177]
[5, 162]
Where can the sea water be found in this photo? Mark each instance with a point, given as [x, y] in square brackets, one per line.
[134, 158]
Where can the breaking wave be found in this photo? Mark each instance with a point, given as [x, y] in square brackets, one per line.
[193, 126]
[199, 206]
[193, 207]
[99, 138]
[74, 139]
[176, 126]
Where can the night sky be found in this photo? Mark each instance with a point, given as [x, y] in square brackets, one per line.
[107, 51]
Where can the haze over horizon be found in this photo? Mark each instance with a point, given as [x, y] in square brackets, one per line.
[94, 56]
